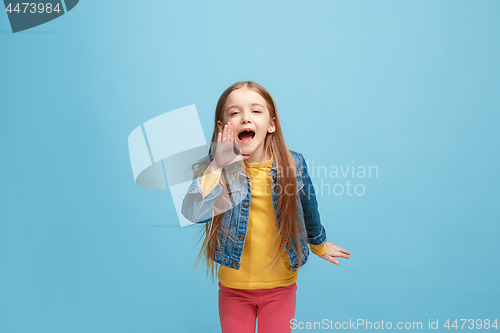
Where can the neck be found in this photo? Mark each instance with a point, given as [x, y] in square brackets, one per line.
[258, 157]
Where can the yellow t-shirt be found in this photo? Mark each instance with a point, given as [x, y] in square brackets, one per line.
[260, 244]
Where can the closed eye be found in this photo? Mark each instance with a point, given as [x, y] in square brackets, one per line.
[237, 112]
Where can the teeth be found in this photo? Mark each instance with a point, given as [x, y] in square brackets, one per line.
[246, 132]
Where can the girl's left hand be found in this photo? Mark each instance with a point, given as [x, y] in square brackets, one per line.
[332, 251]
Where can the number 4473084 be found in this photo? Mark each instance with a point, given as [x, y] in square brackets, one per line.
[33, 8]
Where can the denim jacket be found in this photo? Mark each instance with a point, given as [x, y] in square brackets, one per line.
[228, 253]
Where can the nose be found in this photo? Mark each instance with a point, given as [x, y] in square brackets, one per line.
[245, 118]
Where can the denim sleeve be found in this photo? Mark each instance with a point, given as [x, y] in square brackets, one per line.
[209, 181]
[316, 233]
[199, 209]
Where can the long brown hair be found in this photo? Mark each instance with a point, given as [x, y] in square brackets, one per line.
[274, 145]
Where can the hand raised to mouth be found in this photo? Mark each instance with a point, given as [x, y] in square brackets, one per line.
[227, 150]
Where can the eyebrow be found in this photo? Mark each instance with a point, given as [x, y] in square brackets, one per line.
[232, 106]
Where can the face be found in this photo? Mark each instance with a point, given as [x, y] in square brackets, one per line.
[247, 111]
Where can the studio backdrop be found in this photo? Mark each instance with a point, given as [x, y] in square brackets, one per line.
[104, 105]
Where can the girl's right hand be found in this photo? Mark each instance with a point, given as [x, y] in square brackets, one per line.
[224, 152]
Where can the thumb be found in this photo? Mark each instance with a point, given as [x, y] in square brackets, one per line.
[241, 157]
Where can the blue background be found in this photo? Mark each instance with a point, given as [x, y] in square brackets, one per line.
[411, 87]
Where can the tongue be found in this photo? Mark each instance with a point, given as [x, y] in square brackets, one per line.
[246, 136]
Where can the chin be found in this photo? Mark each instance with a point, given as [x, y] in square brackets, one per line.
[247, 153]
[246, 150]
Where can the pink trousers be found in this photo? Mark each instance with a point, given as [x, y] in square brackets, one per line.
[274, 308]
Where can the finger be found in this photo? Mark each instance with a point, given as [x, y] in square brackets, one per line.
[224, 135]
[232, 133]
[241, 157]
[343, 256]
[339, 254]
[231, 137]
[236, 150]
[219, 137]
[228, 137]
[345, 251]
[332, 260]
[235, 141]
[338, 248]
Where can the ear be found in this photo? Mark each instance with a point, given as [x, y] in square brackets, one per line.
[219, 125]
[272, 125]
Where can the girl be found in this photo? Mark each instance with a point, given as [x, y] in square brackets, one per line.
[259, 207]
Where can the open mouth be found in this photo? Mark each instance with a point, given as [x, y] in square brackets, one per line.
[246, 136]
